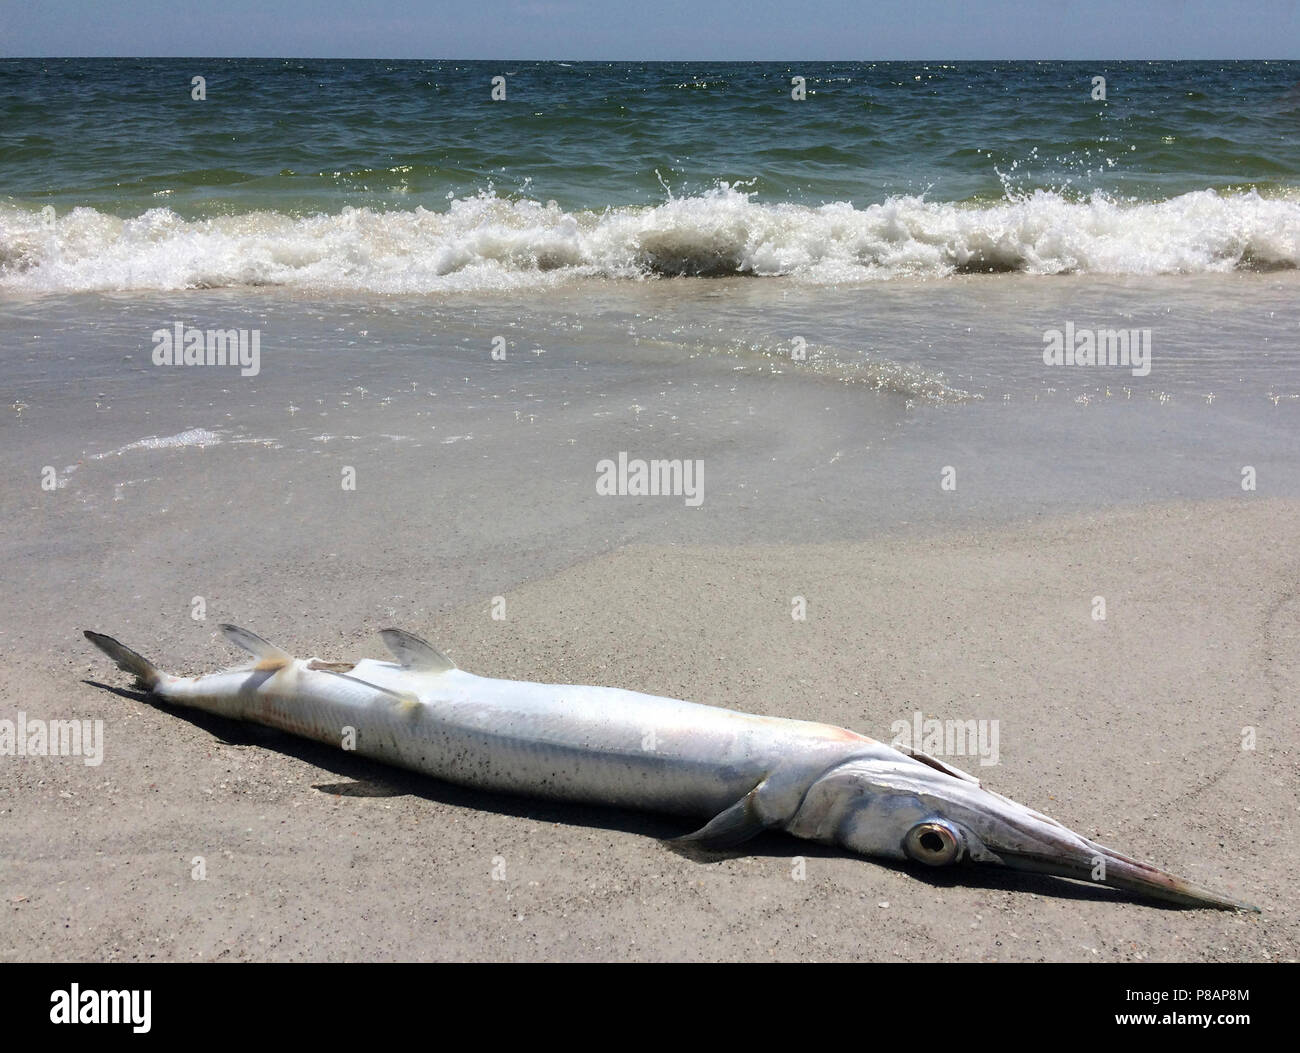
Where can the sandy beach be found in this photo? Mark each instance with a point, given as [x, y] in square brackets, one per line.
[152, 503]
[1129, 729]
[870, 371]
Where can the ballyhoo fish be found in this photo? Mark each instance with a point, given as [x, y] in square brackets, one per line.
[608, 746]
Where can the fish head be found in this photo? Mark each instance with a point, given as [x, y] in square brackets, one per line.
[919, 810]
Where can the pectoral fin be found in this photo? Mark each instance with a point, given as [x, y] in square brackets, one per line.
[728, 828]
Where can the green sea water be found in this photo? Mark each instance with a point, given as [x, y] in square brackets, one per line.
[426, 175]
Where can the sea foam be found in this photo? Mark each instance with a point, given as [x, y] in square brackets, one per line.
[489, 242]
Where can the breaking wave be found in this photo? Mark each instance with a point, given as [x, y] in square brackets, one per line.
[489, 242]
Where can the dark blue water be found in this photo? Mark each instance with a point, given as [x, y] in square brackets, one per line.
[315, 135]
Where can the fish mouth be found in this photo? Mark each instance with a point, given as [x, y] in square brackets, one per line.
[1100, 865]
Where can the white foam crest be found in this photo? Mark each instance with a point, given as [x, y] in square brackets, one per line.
[191, 437]
[487, 242]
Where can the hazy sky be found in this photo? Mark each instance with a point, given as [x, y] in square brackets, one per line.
[656, 29]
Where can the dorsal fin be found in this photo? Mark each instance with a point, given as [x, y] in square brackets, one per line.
[269, 657]
[938, 765]
[414, 653]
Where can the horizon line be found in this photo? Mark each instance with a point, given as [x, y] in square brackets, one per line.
[498, 58]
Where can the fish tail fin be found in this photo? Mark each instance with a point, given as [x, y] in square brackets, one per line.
[127, 660]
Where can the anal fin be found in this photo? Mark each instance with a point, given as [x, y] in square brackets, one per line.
[269, 657]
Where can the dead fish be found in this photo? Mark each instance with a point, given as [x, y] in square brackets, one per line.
[609, 746]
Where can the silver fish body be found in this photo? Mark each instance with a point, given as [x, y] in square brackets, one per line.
[606, 745]
[610, 746]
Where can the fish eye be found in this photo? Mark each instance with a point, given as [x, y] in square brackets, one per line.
[934, 843]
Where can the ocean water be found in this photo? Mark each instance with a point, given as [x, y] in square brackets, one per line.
[407, 177]
[828, 302]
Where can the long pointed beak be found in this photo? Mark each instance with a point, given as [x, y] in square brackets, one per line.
[1072, 856]
[993, 829]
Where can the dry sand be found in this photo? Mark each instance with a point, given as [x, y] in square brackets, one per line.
[1129, 730]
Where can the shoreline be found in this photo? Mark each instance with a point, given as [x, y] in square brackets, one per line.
[383, 469]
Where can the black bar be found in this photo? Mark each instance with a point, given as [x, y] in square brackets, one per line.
[377, 1003]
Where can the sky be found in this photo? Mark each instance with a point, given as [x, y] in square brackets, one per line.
[655, 29]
